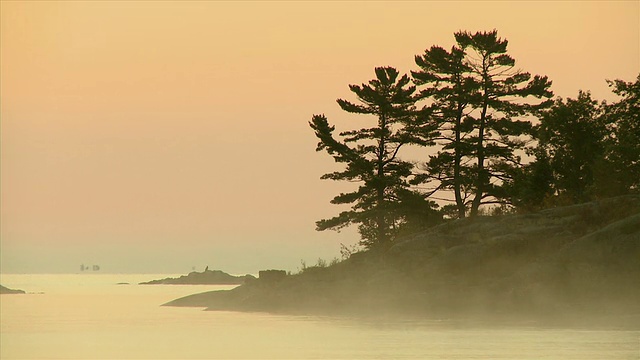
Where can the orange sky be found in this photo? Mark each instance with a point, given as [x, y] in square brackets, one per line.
[156, 136]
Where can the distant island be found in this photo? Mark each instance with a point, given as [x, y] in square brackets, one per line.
[207, 277]
[578, 264]
[5, 290]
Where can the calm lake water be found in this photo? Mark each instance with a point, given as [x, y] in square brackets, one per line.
[89, 316]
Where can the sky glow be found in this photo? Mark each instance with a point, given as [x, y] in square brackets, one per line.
[157, 136]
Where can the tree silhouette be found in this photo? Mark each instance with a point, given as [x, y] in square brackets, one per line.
[623, 150]
[478, 108]
[384, 200]
[445, 80]
[571, 135]
[534, 183]
[481, 103]
[586, 150]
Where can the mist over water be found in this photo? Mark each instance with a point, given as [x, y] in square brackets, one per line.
[80, 316]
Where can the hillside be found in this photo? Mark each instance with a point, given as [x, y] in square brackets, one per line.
[571, 264]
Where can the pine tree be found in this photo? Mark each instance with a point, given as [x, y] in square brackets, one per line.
[585, 150]
[534, 183]
[446, 82]
[473, 93]
[623, 150]
[384, 201]
[572, 135]
[499, 118]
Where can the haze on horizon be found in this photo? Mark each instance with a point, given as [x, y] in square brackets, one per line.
[157, 136]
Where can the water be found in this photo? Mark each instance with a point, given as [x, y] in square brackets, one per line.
[89, 316]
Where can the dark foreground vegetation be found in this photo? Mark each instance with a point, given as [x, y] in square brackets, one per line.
[577, 264]
[491, 136]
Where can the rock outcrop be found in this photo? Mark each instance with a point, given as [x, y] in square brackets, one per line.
[207, 277]
[5, 290]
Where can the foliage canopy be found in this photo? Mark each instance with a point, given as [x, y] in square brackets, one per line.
[475, 112]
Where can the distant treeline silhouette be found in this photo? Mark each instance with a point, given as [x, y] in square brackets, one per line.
[478, 115]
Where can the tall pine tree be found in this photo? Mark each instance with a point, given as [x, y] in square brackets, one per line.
[499, 120]
[481, 103]
[446, 82]
[384, 201]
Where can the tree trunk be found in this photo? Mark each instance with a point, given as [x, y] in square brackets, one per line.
[456, 166]
[380, 222]
[481, 176]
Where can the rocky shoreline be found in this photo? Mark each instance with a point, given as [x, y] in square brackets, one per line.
[207, 277]
[5, 290]
[576, 264]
